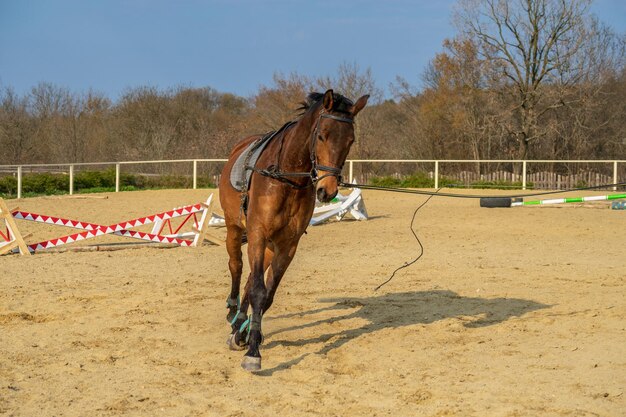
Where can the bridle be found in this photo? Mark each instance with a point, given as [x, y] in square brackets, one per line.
[332, 171]
[274, 170]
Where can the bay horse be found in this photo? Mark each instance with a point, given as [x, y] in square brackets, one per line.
[272, 210]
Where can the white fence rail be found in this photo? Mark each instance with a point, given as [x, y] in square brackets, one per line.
[522, 167]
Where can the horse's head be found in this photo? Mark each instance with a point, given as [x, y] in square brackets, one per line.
[332, 138]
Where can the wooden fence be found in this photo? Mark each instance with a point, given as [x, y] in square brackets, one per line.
[525, 173]
[537, 180]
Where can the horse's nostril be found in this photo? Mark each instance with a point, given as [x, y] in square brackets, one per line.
[321, 195]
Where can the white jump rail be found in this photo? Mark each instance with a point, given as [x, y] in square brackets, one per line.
[351, 203]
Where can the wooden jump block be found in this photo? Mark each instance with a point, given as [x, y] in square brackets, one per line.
[14, 238]
[202, 231]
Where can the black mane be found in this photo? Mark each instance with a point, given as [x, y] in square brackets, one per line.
[341, 103]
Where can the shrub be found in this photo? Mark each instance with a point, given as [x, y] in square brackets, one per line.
[421, 180]
[45, 183]
[498, 185]
[94, 179]
[8, 186]
[418, 180]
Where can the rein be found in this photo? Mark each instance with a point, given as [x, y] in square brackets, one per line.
[274, 171]
[473, 196]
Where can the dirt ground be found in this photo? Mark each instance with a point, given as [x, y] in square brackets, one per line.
[510, 312]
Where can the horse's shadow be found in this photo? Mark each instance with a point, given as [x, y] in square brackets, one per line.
[393, 311]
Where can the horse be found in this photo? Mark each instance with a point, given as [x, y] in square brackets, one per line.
[273, 203]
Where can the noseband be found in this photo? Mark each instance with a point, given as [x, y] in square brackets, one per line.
[332, 171]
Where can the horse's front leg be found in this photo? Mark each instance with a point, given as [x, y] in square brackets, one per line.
[257, 295]
[240, 323]
[280, 263]
[235, 266]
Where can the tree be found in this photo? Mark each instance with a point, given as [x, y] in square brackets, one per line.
[533, 44]
[351, 82]
[55, 111]
[16, 129]
[277, 104]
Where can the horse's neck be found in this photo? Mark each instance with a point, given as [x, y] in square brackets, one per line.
[297, 147]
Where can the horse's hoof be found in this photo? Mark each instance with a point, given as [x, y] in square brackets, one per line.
[251, 364]
[232, 343]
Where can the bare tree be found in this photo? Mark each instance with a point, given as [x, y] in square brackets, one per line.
[533, 44]
[55, 110]
[16, 129]
[352, 82]
[277, 104]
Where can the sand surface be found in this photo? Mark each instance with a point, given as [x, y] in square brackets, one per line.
[510, 312]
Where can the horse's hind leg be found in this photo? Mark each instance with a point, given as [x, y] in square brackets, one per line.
[237, 340]
[257, 295]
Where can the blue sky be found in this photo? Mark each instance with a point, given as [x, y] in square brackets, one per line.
[233, 46]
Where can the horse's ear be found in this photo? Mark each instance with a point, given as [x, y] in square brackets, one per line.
[328, 100]
[358, 106]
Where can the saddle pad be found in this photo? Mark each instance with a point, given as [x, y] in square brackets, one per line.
[239, 175]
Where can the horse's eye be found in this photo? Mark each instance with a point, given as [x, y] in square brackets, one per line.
[320, 138]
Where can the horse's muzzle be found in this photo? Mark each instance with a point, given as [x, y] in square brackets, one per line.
[324, 196]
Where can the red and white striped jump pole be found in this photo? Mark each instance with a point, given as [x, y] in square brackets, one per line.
[92, 230]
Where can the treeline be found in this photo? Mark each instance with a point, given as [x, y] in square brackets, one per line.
[543, 82]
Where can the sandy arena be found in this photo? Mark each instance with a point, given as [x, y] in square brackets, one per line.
[511, 312]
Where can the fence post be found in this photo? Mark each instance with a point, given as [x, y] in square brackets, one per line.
[436, 174]
[71, 179]
[19, 181]
[615, 175]
[195, 174]
[351, 172]
[117, 178]
[523, 175]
